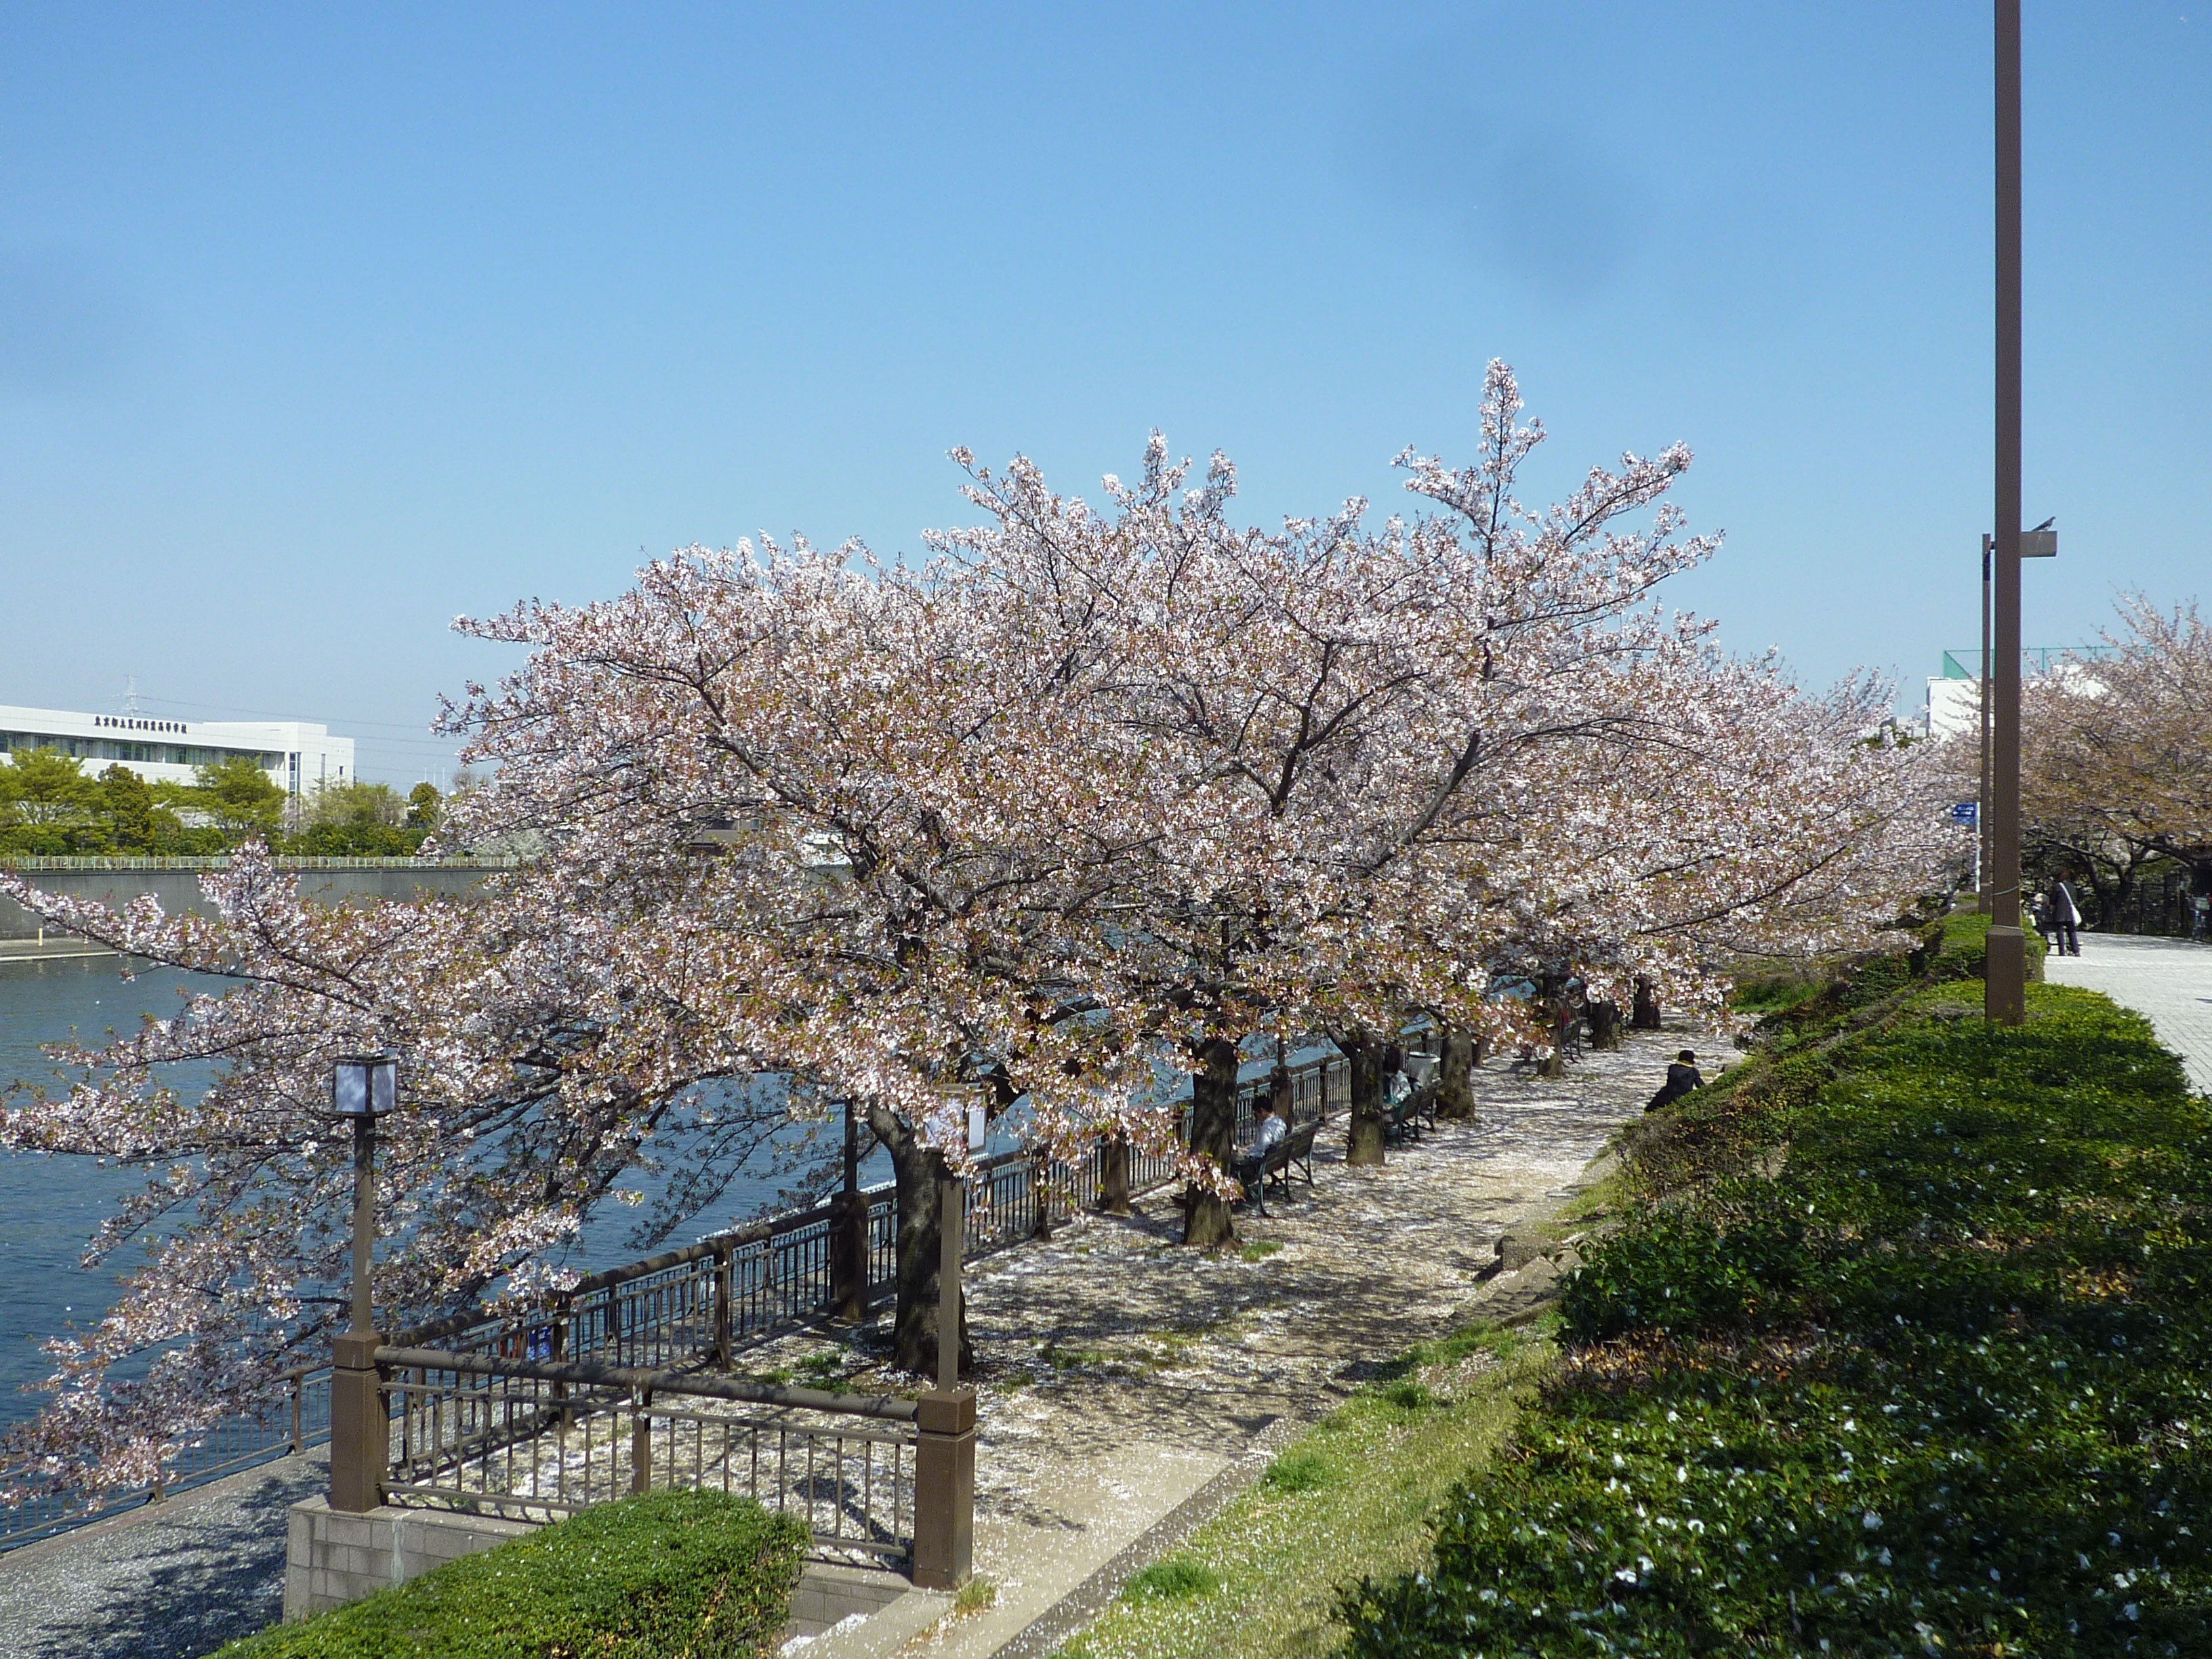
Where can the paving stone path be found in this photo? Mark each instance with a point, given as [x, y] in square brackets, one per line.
[2168, 981]
[1119, 1371]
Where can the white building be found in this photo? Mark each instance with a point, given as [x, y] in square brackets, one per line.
[297, 756]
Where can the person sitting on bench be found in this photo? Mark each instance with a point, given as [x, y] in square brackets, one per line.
[1268, 1133]
[1681, 1077]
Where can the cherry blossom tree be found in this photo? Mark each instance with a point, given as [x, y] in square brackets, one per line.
[1086, 791]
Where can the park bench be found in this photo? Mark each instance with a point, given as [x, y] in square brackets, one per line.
[1411, 1116]
[1293, 1153]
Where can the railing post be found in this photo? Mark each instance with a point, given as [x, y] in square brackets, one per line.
[721, 1307]
[641, 1443]
[360, 1428]
[299, 1440]
[945, 1488]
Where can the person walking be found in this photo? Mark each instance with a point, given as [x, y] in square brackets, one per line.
[2065, 918]
[1267, 1133]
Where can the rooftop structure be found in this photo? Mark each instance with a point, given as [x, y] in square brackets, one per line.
[298, 756]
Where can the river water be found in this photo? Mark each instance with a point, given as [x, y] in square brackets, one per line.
[50, 1206]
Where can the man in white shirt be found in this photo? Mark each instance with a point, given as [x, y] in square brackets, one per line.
[1267, 1133]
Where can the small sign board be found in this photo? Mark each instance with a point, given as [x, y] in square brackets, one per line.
[1967, 812]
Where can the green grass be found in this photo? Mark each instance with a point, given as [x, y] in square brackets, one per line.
[1350, 1496]
[694, 1573]
[1260, 1249]
[1936, 1388]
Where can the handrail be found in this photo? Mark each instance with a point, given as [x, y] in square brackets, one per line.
[886, 1406]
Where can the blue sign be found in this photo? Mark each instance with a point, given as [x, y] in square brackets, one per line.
[1966, 812]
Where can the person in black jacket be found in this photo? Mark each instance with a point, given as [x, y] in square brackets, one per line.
[2065, 918]
[1681, 1077]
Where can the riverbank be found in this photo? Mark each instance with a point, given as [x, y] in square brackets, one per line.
[1130, 1388]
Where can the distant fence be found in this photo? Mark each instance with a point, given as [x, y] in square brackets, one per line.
[298, 1418]
[684, 1310]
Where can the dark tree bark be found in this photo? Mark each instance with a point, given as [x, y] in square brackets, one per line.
[1364, 1139]
[1558, 1011]
[916, 1169]
[1644, 1007]
[1206, 1219]
[1604, 1024]
[1455, 1078]
[1114, 1175]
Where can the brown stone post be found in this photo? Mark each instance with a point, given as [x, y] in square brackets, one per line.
[361, 1429]
[945, 1488]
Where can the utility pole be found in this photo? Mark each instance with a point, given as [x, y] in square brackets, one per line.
[1980, 815]
[2005, 972]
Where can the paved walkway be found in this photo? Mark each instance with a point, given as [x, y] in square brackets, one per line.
[170, 1581]
[1127, 1383]
[2169, 981]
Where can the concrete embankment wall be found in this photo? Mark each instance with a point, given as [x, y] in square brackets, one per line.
[177, 885]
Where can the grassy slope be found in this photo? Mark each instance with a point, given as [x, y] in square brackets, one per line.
[1902, 1355]
[1351, 1496]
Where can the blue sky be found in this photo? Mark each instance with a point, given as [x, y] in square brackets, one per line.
[318, 327]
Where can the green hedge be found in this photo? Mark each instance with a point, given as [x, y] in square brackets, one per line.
[698, 1574]
[1931, 1381]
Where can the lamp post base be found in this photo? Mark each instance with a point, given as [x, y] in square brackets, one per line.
[2004, 977]
[360, 1426]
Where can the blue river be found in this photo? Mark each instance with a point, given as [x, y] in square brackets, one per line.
[50, 1206]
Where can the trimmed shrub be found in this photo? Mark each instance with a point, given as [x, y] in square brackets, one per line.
[698, 1574]
[1935, 1386]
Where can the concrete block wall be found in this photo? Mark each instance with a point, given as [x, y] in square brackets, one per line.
[331, 1558]
[829, 1594]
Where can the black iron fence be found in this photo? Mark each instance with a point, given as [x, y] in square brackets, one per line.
[537, 1440]
[684, 1310]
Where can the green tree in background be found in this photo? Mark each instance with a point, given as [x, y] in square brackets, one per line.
[137, 821]
[239, 797]
[425, 806]
[357, 820]
[44, 786]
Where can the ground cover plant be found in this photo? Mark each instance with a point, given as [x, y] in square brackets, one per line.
[699, 1574]
[1351, 1495]
[1899, 1353]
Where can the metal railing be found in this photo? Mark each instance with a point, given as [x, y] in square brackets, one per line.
[689, 1309]
[537, 1440]
[298, 1418]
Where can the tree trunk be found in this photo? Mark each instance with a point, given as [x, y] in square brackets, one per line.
[1206, 1218]
[916, 1168]
[1363, 1142]
[1455, 1078]
[1551, 992]
[1604, 1024]
[1643, 1008]
[1114, 1175]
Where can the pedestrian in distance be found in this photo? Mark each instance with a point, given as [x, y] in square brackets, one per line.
[2038, 915]
[2065, 918]
[1681, 1077]
[1267, 1133]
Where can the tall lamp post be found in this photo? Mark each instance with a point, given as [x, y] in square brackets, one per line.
[2005, 968]
[945, 1445]
[363, 1087]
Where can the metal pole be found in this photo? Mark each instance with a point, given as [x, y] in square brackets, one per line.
[2005, 974]
[364, 1219]
[360, 1421]
[1980, 815]
[953, 1228]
